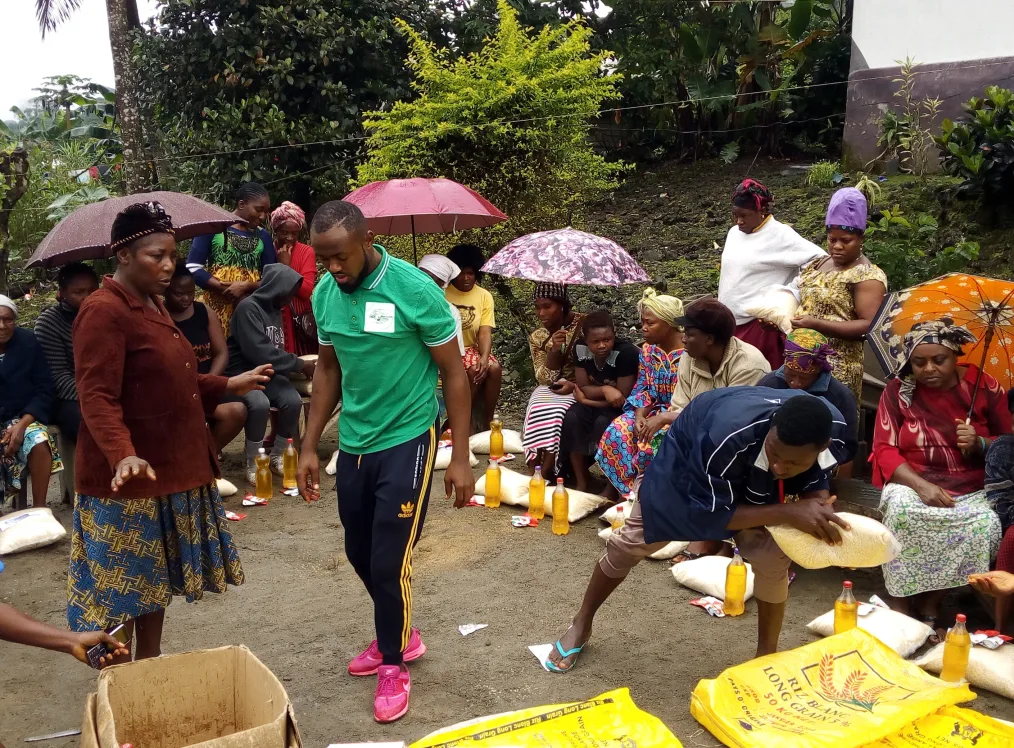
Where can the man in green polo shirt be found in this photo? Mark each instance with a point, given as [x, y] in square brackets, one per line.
[385, 334]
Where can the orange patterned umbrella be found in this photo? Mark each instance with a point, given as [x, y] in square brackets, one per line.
[983, 305]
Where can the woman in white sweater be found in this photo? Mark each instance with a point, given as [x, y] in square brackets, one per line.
[759, 253]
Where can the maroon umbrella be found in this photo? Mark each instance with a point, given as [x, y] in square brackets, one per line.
[84, 234]
[423, 206]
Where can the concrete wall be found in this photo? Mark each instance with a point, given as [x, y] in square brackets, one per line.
[961, 47]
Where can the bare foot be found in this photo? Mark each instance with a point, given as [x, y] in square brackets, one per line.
[576, 636]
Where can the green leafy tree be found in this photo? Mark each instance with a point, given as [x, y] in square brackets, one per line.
[510, 121]
[255, 81]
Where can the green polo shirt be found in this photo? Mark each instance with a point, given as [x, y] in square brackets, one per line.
[382, 333]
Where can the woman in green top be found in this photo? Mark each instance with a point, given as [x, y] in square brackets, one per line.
[228, 265]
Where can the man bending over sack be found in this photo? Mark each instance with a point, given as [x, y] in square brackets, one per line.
[723, 471]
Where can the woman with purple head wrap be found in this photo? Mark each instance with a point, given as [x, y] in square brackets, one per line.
[841, 292]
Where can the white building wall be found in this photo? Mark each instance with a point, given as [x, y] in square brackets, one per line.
[931, 31]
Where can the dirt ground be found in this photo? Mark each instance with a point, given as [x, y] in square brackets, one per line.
[304, 613]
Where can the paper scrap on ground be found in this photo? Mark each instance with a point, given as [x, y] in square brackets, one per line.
[471, 628]
[291, 492]
[251, 500]
[233, 516]
[524, 520]
[477, 501]
[713, 605]
[541, 652]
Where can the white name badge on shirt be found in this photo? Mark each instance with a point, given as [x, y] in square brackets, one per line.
[379, 317]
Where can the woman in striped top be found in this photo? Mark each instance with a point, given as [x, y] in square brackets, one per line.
[552, 347]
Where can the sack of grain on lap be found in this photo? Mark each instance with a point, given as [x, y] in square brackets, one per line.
[865, 544]
[775, 305]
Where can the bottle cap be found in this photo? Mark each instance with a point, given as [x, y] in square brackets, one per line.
[847, 585]
[619, 509]
[962, 618]
[289, 441]
[261, 451]
[559, 481]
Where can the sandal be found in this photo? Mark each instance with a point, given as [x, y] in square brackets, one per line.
[682, 556]
[554, 668]
[939, 634]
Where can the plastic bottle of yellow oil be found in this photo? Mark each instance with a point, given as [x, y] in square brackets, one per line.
[290, 463]
[265, 487]
[561, 509]
[537, 495]
[735, 587]
[846, 610]
[956, 650]
[493, 485]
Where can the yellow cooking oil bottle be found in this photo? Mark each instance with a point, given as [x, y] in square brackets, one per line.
[537, 495]
[561, 509]
[496, 438]
[290, 463]
[493, 485]
[957, 647]
[619, 519]
[846, 610]
[265, 489]
[735, 586]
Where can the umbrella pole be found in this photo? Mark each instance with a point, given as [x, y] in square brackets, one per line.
[415, 255]
[982, 363]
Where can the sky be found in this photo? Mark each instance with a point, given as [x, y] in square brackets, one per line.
[80, 47]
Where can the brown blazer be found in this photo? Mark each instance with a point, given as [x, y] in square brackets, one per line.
[140, 395]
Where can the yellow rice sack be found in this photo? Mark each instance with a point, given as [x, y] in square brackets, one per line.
[611, 719]
[866, 543]
[951, 727]
[992, 669]
[841, 692]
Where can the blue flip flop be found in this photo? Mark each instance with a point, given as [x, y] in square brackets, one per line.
[564, 654]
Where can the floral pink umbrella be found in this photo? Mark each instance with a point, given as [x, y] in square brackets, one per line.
[568, 256]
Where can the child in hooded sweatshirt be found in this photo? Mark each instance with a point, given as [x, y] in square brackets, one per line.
[256, 337]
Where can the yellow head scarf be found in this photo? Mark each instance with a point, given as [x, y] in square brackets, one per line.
[666, 308]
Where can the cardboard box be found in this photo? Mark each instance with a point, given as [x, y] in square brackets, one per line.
[214, 698]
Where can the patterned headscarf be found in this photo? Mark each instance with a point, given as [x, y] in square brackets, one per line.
[554, 291]
[752, 195]
[807, 352]
[285, 213]
[937, 332]
[666, 308]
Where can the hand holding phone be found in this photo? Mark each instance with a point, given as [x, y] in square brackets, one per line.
[118, 636]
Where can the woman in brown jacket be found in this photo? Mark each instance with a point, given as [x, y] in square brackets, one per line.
[148, 520]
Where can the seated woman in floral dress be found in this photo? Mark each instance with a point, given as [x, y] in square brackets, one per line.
[931, 466]
[626, 447]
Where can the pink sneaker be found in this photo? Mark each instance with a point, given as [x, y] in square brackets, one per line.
[368, 662]
[390, 703]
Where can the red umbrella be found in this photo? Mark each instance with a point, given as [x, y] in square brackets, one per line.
[84, 234]
[423, 206]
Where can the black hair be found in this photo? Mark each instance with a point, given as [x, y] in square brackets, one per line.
[467, 256]
[597, 320]
[72, 272]
[181, 270]
[338, 213]
[137, 221]
[803, 420]
[250, 191]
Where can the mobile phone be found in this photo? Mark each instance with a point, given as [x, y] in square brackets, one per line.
[556, 386]
[95, 653]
